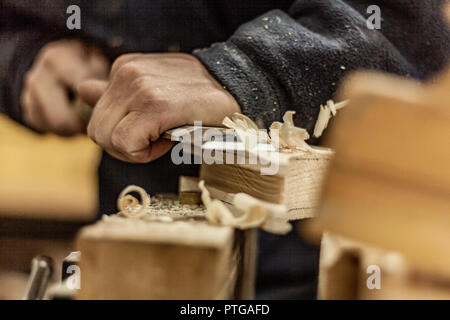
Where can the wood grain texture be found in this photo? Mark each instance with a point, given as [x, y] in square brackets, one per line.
[297, 184]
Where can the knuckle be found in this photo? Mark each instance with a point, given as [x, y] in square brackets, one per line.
[120, 61]
[48, 56]
[141, 85]
[128, 71]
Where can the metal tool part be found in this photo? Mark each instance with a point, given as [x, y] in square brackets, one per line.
[41, 272]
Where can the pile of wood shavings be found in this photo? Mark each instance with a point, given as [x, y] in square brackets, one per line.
[162, 208]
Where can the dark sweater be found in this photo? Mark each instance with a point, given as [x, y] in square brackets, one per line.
[272, 55]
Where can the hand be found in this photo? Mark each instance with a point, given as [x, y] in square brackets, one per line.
[149, 94]
[56, 71]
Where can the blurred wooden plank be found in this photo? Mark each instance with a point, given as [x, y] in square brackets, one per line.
[338, 269]
[346, 267]
[398, 279]
[389, 184]
[45, 176]
[395, 129]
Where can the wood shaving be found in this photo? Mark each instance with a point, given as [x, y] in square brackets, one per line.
[255, 213]
[282, 135]
[160, 208]
[246, 130]
[287, 135]
[325, 114]
[216, 211]
[322, 121]
[129, 206]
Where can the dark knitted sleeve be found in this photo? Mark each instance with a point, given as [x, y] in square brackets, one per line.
[294, 61]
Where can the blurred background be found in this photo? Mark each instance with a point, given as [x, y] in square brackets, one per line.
[42, 202]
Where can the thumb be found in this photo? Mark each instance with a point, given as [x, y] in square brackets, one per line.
[91, 90]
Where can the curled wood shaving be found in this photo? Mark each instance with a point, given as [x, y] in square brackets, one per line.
[287, 135]
[322, 121]
[325, 114]
[255, 213]
[162, 208]
[246, 130]
[216, 212]
[129, 206]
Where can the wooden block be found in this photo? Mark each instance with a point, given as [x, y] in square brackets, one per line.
[389, 183]
[338, 269]
[189, 192]
[397, 134]
[398, 280]
[296, 184]
[346, 267]
[248, 246]
[138, 259]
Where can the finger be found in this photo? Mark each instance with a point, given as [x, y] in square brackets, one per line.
[71, 73]
[154, 151]
[158, 148]
[92, 90]
[68, 60]
[31, 112]
[52, 99]
[99, 65]
[137, 138]
[107, 113]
